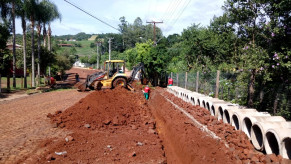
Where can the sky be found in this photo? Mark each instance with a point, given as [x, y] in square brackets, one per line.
[176, 15]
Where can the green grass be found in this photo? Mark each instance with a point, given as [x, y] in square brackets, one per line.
[84, 50]
[19, 83]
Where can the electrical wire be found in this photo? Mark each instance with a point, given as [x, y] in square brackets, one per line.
[182, 12]
[168, 9]
[179, 15]
[173, 10]
[91, 15]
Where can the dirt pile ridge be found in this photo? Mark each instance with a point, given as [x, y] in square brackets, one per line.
[108, 126]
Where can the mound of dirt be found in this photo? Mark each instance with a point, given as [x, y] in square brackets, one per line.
[107, 126]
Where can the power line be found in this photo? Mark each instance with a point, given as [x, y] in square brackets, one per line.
[91, 15]
[173, 10]
[182, 12]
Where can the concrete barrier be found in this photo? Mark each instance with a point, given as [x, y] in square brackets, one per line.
[258, 130]
[278, 141]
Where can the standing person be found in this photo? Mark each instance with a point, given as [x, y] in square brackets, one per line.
[146, 92]
[53, 82]
[77, 77]
[170, 82]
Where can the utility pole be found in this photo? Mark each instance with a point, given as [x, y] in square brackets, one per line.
[110, 47]
[97, 44]
[154, 22]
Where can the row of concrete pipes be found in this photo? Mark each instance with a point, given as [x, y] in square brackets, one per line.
[271, 134]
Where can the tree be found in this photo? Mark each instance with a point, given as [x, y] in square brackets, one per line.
[4, 54]
[31, 12]
[21, 11]
[53, 15]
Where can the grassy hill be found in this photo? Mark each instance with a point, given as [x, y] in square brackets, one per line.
[84, 49]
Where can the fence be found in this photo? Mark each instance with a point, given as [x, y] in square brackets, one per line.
[229, 87]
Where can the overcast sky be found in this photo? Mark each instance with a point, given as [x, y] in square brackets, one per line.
[175, 14]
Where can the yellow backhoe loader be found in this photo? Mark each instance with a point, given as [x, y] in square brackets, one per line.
[112, 76]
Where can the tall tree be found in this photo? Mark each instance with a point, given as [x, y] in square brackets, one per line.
[21, 11]
[13, 43]
[53, 15]
[42, 16]
[31, 11]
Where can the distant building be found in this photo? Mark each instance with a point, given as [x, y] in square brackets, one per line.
[72, 40]
[18, 71]
[9, 46]
[80, 64]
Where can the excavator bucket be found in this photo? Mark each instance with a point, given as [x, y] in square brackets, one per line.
[81, 86]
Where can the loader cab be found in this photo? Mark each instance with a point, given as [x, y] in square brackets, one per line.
[113, 67]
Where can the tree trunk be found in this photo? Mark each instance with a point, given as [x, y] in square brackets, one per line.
[44, 35]
[49, 33]
[0, 83]
[13, 49]
[8, 82]
[38, 52]
[23, 21]
[32, 54]
[251, 89]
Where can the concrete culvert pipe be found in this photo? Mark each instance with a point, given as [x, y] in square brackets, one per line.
[204, 100]
[228, 112]
[216, 108]
[210, 102]
[278, 141]
[272, 140]
[249, 118]
[215, 101]
[258, 131]
[236, 119]
[220, 113]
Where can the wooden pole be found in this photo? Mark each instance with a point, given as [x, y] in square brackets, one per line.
[217, 84]
[178, 79]
[186, 79]
[171, 75]
[197, 81]
[21, 82]
[0, 83]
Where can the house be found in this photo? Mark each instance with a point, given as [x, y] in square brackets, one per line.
[9, 46]
[18, 71]
[80, 64]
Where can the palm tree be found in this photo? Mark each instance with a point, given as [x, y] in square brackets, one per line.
[13, 40]
[21, 11]
[39, 18]
[54, 14]
[31, 8]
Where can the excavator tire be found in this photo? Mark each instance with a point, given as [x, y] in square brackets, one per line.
[119, 82]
